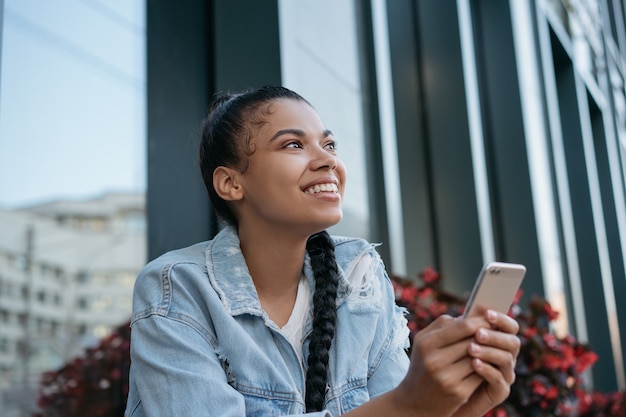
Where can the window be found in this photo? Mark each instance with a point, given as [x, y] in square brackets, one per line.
[328, 53]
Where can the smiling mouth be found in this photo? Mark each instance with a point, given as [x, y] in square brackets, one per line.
[321, 188]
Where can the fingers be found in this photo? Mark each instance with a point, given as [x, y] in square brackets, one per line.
[443, 372]
[440, 322]
[445, 387]
[501, 360]
[497, 347]
[502, 336]
[498, 388]
[502, 322]
[440, 364]
[497, 339]
[436, 352]
[446, 330]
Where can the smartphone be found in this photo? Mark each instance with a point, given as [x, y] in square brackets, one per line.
[495, 287]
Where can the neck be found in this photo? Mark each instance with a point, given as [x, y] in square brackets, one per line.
[275, 263]
[274, 260]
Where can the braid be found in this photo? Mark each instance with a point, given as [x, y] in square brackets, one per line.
[321, 249]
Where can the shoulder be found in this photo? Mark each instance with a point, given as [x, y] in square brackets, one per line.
[352, 250]
[155, 281]
[367, 281]
[351, 247]
[194, 254]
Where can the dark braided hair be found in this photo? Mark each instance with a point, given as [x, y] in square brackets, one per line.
[225, 141]
[322, 252]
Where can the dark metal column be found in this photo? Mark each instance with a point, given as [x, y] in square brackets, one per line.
[514, 223]
[434, 150]
[196, 48]
[178, 89]
[588, 256]
[246, 44]
[420, 246]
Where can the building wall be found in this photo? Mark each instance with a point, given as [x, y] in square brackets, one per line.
[507, 127]
[67, 271]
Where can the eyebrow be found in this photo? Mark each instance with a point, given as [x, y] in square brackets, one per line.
[297, 132]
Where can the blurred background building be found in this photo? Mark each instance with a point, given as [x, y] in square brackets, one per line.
[471, 130]
[67, 269]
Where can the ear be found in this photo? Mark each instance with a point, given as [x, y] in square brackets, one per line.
[226, 183]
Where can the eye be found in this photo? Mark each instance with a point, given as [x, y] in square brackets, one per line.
[332, 145]
[293, 145]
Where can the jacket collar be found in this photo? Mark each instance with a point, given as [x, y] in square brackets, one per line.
[230, 277]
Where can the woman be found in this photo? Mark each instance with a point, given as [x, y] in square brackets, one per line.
[275, 317]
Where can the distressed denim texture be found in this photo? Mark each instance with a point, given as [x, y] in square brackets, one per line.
[201, 345]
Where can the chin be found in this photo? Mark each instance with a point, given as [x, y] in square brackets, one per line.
[332, 221]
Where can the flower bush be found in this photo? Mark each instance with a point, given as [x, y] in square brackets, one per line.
[603, 405]
[550, 370]
[94, 384]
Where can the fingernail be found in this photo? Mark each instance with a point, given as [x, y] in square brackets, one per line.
[481, 334]
[492, 315]
[474, 349]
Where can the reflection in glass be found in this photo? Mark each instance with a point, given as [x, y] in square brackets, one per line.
[320, 61]
[72, 182]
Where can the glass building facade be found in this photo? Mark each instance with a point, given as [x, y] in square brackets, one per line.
[472, 130]
[72, 182]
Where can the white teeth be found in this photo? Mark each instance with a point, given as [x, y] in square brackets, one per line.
[322, 187]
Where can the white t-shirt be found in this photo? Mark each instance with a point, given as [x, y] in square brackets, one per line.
[295, 325]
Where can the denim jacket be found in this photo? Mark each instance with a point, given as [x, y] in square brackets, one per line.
[201, 345]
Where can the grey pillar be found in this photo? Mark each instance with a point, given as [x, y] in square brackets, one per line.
[196, 48]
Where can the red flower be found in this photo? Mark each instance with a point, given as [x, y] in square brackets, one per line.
[429, 275]
[539, 388]
[585, 361]
[552, 393]
[408, 293]
[552, 362]
[550, 313]
[500, 412]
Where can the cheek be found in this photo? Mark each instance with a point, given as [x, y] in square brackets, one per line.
[342, 174]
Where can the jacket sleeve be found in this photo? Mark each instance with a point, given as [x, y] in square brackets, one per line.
[175, 367]
[390, 361]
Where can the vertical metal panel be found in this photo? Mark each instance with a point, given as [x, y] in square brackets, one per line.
[541, 172]
[614, 196]
[412, 157]
[613, 240]
[553, 55]
[616, 13]
[246, 44]
[509, 176]
[474, 115]
[388, 143]
[605, 271]
[449, 146]
[378, 217]
[586, 239]
[178, 90]
[196, 48]
[434, 150]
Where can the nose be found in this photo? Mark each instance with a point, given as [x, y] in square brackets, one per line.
[323, 159]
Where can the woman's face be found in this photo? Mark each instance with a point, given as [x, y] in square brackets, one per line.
[294, 179]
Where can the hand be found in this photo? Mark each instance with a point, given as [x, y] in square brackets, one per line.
[494, 353]
[442, 376]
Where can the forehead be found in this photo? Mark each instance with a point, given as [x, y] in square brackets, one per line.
[289, 114]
